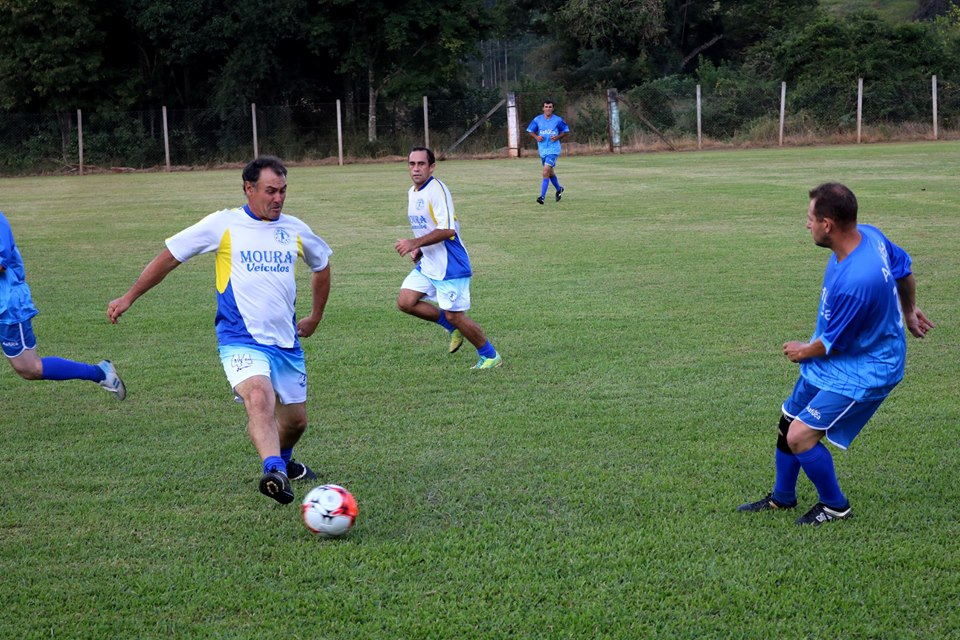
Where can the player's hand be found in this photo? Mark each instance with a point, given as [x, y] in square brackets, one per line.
[306, 327]
[116, 308]
[415, 254]
[405, 246]
[918, 323]
[793, 349]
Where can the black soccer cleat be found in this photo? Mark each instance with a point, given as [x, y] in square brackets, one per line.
[559, 193]
[299, 471]
[276, 485]
[765, 504]
[821, 513]
[540, 200]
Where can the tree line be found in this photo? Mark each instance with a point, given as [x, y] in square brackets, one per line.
[61, 55]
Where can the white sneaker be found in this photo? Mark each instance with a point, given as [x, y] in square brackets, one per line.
[112, 382]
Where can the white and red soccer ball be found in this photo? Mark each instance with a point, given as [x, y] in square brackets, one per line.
[329, 511]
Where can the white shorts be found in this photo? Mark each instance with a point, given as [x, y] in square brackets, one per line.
[450, 295]
[287, 371]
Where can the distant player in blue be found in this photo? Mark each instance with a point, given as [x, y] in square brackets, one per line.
[854, 359]
[548, 130]
[442, 267]
[16, 328]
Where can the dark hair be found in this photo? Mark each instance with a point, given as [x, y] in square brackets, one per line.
[430, 157]
[833, 200]
[251, 172]
[547, 101]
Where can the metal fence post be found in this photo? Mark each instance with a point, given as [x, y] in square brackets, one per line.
[339, 135]
[80, 138]
[859, 107]
[426, 124]
[253, 115]
[513, 130]
[783, 107]
[613, 121]
[699, 124]
[166, 138]
[934, 86]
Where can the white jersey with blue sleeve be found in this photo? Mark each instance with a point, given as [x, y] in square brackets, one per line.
[548, 127]
[430, 208]
[255, 262]
[860, 321]
[16, 303]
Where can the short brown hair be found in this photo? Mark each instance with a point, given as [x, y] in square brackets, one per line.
[835, 201]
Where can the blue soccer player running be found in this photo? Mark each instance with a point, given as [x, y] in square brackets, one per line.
[442, 272]
[257, 248]
[548, 130]
[16, 328]
[854, 359]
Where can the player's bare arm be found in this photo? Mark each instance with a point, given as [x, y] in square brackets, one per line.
[320, 289]
[917, 323]
[797, 351]
[408, 245]
[151, 276]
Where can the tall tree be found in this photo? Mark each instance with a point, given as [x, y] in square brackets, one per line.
[401, 46]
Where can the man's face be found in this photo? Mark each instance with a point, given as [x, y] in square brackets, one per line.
[265, 198]
[818, 228]
[547, 109]
[420, 168]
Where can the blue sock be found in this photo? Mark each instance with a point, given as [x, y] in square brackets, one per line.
[286, 454]
[556, 183]
[60, 369]
[543, 187]
[487, 350]
[788, 470]
[443, 322]
[818, 465]
[274, 463]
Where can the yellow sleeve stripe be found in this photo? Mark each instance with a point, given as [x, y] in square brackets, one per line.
[224, 262]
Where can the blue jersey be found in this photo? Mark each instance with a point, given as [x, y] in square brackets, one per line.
[548, 128]
[860, 321]
[16, 305]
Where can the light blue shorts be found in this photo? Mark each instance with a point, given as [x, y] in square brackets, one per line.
[287, 371]
[549, 160]
[450, 295]
[841, 417]
[17, 337]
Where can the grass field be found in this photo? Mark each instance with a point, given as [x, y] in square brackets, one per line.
[585, 490]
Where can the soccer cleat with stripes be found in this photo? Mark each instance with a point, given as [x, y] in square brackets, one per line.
[766, 503]
[299, 471]
[821, 513]
[112, 381]
[540, 200]
[456, 340]
[276, 485]
[488, 363]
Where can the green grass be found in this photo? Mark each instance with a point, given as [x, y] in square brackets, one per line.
[586, 489]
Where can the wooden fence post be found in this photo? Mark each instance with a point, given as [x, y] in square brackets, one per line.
[80, 138]
[699, 126]
[166, 139]
[339, 135]
[859, 107]
[513, 124]
[934, 86]
[426, 124]
[783, 107]
[253, 116]
[613, 121]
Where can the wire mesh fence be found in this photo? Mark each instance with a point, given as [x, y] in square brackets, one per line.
[668, 113]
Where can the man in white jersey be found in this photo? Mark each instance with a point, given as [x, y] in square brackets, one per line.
[442, 272]
[257, 247]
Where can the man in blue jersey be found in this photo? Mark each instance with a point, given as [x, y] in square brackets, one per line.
[442, 272]
[16, 328]
[548, 130]
[257, 247]
[854, 359]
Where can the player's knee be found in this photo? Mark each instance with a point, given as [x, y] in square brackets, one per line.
[406, 303]
[782, 430]
[28, 370]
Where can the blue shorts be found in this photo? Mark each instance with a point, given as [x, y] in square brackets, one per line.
[17, 337]
[450, 295]
[549, 160]
[287, 371]
[841, 417]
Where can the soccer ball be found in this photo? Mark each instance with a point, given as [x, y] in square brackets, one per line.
[329, 511]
